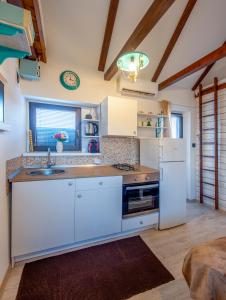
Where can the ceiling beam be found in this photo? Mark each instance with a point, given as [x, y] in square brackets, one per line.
[203, 75]
[186, 13]
[147, 23]
[41, 41]
[38, 49]
[196, 66]
[108, 33]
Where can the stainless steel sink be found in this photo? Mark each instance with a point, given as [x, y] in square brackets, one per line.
[46, 172]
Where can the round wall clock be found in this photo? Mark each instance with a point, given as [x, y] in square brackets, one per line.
[69, 80]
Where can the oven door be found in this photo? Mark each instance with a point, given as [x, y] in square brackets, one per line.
[138, 198]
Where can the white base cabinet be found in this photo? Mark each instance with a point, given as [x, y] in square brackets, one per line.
[98, 210]
[42, 215]
[60, 214]
[54, 213]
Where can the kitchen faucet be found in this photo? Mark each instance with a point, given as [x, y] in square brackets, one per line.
[49, 163]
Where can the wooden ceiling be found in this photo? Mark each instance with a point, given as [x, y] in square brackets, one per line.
[108, 33]
[196, 66]
[38, 49]
[174, 38]
[147, 23]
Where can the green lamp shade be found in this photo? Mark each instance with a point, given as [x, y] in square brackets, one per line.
[131, 61]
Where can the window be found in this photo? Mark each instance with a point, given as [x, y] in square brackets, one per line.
[177, 125]
[47, 119]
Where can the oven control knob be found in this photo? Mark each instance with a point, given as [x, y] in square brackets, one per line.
[147, 178]
[135, 179]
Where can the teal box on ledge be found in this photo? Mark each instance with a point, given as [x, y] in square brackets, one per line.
[29, 69]
[16, 31]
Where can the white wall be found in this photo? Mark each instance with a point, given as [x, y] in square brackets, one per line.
[93, 89]
[12, 144]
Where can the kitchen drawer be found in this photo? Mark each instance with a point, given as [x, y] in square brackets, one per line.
[140, 221]
[93, 183]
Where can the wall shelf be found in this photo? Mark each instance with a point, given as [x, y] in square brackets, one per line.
[90, 136]
[152, 115]
[90, 120]
[150, 127]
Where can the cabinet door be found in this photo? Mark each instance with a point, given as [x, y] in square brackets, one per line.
[42, 215]
[122, 116]
[97, 213]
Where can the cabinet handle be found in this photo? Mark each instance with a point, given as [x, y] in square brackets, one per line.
[134, 132]
[141, 222]
[79, 196]
[70, 183]
[101, 183]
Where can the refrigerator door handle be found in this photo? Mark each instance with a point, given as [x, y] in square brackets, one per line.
[161, 152]
[161, 174]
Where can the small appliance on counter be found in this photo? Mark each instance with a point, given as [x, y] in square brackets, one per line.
[91, 129]
[93, 146]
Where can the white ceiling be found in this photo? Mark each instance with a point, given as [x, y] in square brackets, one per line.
[75, 30]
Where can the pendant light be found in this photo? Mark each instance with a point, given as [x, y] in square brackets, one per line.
[130, 63]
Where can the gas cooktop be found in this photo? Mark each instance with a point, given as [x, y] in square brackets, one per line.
[125, 167]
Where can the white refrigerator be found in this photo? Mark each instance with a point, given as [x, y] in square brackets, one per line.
[169, 156]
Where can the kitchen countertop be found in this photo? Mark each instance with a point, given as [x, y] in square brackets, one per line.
[86, 171]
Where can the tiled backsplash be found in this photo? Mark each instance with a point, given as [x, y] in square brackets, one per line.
[14, 164]
[113, 150]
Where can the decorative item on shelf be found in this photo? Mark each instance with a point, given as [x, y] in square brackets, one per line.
[93, 146]
[91, 115]
[69, 80]
[91, 129]
[31, 145]
[130, 63]
[148, 122]
[16, 31]
[165, 107]
[140, 123]
[60, 138]
[88, 116]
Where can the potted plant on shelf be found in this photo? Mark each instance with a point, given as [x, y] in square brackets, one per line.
[60, 137]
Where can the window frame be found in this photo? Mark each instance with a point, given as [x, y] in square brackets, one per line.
[32, 124]
[181, 128]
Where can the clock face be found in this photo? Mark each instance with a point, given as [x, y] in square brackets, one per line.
[69, 80]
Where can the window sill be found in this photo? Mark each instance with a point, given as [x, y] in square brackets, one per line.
[4, 127]
[43, 153]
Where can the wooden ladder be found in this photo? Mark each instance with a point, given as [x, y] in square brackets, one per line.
[215, 144]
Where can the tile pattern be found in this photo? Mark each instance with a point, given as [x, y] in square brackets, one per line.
[13, 164]
[170, 246]
[113, 150]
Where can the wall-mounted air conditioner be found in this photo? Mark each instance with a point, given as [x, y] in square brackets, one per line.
[140, 88]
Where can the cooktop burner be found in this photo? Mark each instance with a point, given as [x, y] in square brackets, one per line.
[125, 167]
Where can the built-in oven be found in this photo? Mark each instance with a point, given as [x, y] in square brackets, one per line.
[140, 198]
